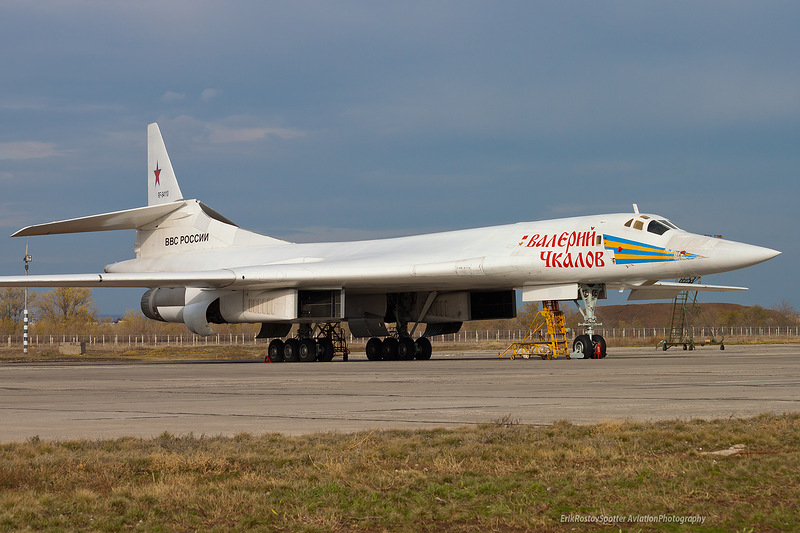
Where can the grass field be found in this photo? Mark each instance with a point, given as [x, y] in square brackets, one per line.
[500, 476]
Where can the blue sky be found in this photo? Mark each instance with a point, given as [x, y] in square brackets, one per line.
[343, 120]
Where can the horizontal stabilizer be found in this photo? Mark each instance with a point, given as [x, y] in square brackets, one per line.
[127, 219]
[665, 290]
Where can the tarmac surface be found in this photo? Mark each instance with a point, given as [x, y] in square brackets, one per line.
[102, 400]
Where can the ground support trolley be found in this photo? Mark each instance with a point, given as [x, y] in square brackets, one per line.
[546, 337]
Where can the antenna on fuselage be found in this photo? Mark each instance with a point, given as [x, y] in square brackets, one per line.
[636, 209]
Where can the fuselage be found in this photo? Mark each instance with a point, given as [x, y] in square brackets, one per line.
[590, 249]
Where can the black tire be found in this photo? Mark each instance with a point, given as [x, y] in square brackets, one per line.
[308, 351]
[390, 349]
[583, 344]
[721, 346]
[374, 349]
[325, 350]
[291, 351]
[406, 349]
[275, 351]
[599, 340]
[424, 349]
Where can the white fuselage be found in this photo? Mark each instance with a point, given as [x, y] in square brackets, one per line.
[563, 250]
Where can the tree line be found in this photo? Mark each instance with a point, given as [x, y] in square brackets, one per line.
[71, 311]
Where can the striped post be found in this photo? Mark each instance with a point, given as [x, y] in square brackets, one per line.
[25, 331]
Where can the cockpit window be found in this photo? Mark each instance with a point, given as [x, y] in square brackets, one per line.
[668, 223]
[657, 227]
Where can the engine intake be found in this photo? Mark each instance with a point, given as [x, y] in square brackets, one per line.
[164, 304]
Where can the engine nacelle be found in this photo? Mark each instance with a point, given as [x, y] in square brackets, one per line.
[197, 308]
[194, 307]
[164, 304]
[258, 306]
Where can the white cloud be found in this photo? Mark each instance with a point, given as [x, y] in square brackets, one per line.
[170, 96]
[28, 150]
[224, 135]
[229, 130]
[336, 234]
[209, 94]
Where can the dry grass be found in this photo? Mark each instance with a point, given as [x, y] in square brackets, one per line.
[500, 476]
[46, 353]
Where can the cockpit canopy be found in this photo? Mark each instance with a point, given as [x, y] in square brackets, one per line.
[657, 226]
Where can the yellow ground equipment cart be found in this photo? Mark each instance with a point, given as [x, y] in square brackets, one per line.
[547, 336]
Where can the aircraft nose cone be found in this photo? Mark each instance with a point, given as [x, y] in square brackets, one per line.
[764, 254]
[719, 255]
[745, 255]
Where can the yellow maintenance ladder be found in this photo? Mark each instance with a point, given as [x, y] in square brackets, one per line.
[547, 336]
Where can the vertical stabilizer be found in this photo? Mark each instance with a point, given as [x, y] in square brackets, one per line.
[162, 186]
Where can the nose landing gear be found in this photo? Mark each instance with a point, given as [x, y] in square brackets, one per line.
[589, 346]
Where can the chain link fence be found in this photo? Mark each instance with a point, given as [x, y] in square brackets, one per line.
[731, 334]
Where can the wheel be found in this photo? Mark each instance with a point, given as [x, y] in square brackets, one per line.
[691, 347]
[308, 350]
[583, 345]
[665, 346]
[390, 349]
[424, 349]
[325, 350]
[685, 347]
[275, 351]
[374, 349]
[598, 340]
[291, 351]
[721, 346]
[406, 349]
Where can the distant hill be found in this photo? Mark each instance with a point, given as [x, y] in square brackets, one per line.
[713, 314]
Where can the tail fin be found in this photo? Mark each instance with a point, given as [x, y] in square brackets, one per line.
[162, 185]
[169, 223]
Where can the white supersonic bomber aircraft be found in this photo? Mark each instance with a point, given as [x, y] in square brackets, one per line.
[200, 269]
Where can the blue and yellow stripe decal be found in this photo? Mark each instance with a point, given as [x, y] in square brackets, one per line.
[627, 252]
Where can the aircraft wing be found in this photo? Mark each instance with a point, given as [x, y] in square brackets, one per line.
[209, 278]
[328, 274]
[667, 290]
[364, 273]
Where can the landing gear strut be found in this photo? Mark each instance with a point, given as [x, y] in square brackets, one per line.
[589, 346]
[401, 345]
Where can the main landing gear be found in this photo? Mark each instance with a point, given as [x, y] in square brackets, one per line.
[589, 346]
[307, 348]
[324, 341]
[399, 348]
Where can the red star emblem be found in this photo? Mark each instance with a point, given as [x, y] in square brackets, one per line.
[157, 172]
